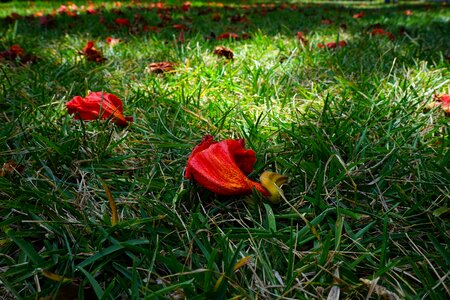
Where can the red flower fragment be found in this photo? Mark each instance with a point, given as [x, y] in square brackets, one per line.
[113, 41]
[222, 168]
[16, 52]
[441, 100]
[332, 45]
[122, 21]
[92, 54]
[358, 15]
[301, 37]
[380, 31]
[227, 36]
[98, 105]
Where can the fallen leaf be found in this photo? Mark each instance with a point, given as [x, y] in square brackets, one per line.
[225, 52]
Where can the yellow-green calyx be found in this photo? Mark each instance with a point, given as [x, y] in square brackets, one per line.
[272, 182]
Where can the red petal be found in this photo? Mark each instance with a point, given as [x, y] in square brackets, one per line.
[220, 167]
[98, 105]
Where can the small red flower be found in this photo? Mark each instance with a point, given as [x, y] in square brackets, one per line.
[16, 52]
[113, 41]
[442, 100]
[332, 45]
[301, 37]
[180, 27]
[358, 15]
[186, 6]
[222, 167]
[408, 12]
[380, 31]
[98, 105]
[91, 53]
[122, 21]
[228, 35]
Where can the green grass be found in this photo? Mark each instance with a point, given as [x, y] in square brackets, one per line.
[369, 190]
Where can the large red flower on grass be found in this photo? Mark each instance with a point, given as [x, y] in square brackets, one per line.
[98, 105]
[222, 167]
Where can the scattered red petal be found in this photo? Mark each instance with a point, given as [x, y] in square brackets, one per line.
[380, 31]
[326, 22]
[180, 27]
[113, 41]
[186, 6]
[151, 28]
[227, 36]
[92, 54]
[332, 45]
[301, 37]
[122, 21]
[98, 105]
[443, 101]
[222, 167]
[408, 12]
[358, 15]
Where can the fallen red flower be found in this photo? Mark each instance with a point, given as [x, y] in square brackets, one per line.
[332, 45]
[228, 35]
[222, 168]
[112, 41]
[408, 12]
[16, 52]
[122, 21]
[98, 105]
[358, 15]
[441, 100]
[92, 54]
[380, 31]
[301, 37]
[186, 6]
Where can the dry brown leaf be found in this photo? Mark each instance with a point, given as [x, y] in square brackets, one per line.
[223, 51]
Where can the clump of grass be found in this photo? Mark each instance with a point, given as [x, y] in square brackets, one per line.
[363, 216]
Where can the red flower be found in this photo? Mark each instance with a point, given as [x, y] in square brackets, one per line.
[358, 15]
[380, 31]
[186, 6]
[91, 53]
[408, 12]
[228, 35]
[122, 21]
[113, 41]
[442, 100]
[222, 167]
[180, 27]
[332, 45]
[301, 37]
[98, 105]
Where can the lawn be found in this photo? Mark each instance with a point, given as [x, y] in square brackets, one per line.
[345, 99]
